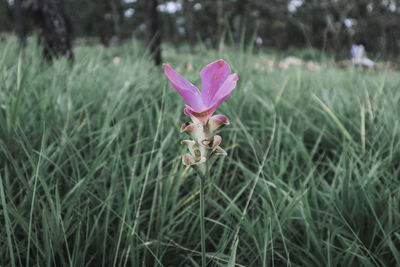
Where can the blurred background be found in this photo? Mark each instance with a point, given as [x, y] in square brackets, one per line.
[329, 25]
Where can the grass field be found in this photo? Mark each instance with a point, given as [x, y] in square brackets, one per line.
[91, 173]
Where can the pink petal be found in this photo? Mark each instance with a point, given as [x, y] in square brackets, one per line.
[213, 77]
[217, 141]
[219, 151]
[216, 122]
[188, 160]
[212, 144]
[220, 120]
[188, 91]
[187, 127]
[225, 90]
[199, 117]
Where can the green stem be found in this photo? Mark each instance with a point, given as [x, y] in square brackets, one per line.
[202, 228]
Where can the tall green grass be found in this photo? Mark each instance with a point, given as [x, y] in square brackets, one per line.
[91, 173]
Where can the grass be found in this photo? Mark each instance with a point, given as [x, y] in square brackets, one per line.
[91, 173]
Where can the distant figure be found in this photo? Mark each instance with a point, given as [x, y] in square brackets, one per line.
[358, 56]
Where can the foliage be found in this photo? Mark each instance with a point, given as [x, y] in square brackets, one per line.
[79, 144]
[329, 25]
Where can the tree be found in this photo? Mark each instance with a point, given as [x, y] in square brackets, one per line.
[19, 23]
[154, 37]
[55, 29]
[188, 13]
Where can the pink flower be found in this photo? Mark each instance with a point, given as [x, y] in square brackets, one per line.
[216, 85]
[116, 60]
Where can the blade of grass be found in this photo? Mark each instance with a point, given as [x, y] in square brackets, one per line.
[334, 118]
[7, 222]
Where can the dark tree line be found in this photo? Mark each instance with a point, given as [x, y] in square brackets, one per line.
[330, 25]
[54, 27]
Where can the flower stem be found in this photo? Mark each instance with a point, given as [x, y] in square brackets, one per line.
[202, 228]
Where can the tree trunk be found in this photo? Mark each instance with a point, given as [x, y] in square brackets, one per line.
[220, 21]
[154, 37]
[191, 34]
[117, 23]
[54, 26]
[19, 23]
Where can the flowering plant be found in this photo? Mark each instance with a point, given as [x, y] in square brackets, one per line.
[217, 83]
